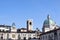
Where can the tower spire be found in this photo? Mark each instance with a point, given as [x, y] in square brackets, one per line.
[48, 16]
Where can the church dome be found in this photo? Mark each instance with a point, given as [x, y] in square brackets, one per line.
[49, 21]
[49, 24]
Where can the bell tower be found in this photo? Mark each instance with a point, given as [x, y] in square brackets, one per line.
[29, 25]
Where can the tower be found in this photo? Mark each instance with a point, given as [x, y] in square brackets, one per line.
[13, 28]
[29, 25]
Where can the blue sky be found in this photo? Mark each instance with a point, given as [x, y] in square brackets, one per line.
[19, 11]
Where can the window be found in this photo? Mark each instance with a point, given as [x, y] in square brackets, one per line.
[34, 38]
[29, 35]
[10, 39]
[3, 30]
[24, 38]
[13, 35]
[1, 37]
[24, 34]
[30, 23]
[19, 37]
[59, 34]
[29, 38]
[50, 37]
[46, 37]
[43, 37]
[7, 30]
[55, 32]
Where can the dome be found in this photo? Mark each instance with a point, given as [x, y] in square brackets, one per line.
[48, 25]
[49, 21]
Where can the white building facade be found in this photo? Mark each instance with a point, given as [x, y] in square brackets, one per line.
[51, 35]
[11, 33]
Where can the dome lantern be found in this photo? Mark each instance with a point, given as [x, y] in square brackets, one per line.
[48, 16]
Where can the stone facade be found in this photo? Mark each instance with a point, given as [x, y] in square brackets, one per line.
[17, 36]
[12, 33]
[51, 35]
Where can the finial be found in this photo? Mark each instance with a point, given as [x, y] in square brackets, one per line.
[13, 24]
[48, 16]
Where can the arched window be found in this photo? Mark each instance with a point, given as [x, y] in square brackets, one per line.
[19, 37]
[29, 38]
[13, 35]
[1, 36]
[34, 38]
[24, 38]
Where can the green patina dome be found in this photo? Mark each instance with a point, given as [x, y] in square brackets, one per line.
[49, 21]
